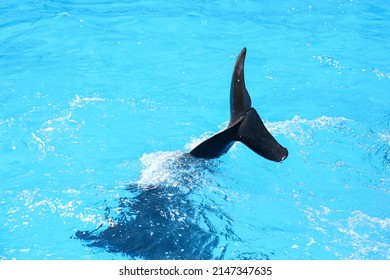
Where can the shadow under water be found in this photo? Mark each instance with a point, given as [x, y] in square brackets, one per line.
[173, 218]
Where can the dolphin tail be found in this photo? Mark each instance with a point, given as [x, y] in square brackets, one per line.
[245, 125]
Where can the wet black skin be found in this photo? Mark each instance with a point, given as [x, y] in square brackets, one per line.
[245, 125]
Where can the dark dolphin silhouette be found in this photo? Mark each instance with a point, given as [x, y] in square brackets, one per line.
[166, 221]
[172, 220]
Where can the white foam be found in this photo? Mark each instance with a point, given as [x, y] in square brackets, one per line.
[301, 129]
[381, 74]
[359, 217]
[356, 229]
[285, 127]
[90, 218]
[366, 234]
[157, 167]
[174, 169]
[329, 61]
[385, 137]
[80, 102]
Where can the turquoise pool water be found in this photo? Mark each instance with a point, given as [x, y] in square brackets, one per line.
[99, 98]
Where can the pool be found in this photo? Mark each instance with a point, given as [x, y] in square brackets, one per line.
[99, 98]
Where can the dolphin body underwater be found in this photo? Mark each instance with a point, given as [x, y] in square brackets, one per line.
[176, 220]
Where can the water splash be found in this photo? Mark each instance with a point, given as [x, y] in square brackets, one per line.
[301, 129]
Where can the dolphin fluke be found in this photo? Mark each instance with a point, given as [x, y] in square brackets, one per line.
[245, 125]
[240, 101]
